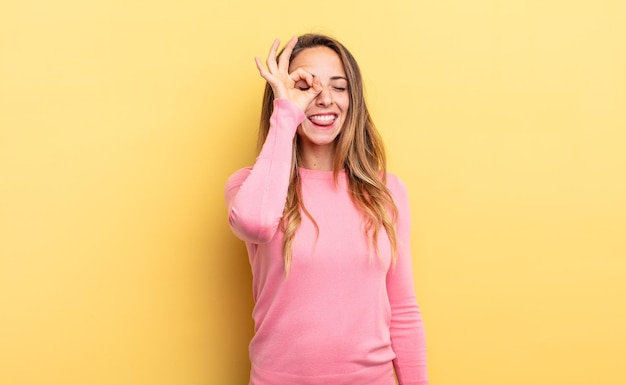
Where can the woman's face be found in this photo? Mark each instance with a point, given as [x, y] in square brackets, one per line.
[326, 113]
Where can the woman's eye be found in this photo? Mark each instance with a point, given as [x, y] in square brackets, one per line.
[339, 86]
[302, 86]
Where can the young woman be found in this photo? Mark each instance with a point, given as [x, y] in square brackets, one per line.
[327, 231]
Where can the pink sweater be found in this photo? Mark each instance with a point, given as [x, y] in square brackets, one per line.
[340, 317]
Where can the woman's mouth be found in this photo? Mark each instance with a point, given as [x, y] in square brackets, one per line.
[323, 119]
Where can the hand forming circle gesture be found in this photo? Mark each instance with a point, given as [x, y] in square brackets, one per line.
[284, 83]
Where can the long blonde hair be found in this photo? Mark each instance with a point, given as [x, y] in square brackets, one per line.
[359, 150]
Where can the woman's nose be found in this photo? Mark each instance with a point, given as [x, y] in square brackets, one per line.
[325, 97]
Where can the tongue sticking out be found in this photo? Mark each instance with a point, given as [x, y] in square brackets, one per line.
[323, 120]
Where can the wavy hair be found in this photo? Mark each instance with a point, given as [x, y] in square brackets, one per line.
[359, 151]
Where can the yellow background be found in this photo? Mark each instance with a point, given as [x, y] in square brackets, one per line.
[121, 120]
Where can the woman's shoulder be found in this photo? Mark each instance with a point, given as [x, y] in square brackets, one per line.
[397, 188]
[394, 183]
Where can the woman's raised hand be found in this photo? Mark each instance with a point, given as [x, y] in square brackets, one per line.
[300, 86]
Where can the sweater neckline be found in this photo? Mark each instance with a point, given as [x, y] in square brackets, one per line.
[318, 174]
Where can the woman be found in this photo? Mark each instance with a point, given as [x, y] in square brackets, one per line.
[327, 231]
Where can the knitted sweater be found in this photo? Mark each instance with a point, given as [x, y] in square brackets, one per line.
[342, 316]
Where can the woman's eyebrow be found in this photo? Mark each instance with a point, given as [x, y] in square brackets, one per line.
[336, 77]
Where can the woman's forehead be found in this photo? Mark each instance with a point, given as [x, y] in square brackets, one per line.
[320, 61]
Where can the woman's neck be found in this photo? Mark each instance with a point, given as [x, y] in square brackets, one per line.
[321, 158]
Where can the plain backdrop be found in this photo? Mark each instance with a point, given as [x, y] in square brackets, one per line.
[121, 120]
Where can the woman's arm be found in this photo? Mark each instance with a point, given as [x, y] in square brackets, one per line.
[407, 328]
[256, 197]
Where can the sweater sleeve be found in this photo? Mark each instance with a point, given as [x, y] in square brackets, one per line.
[407, 328]
[256, 196]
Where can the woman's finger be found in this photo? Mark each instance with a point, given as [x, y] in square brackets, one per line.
[316, 85]
[283, 60]
[262, 71]
[301, 74]
[271, 57]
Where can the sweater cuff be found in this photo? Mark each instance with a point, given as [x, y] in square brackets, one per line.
[285, 119]
[289, 112]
